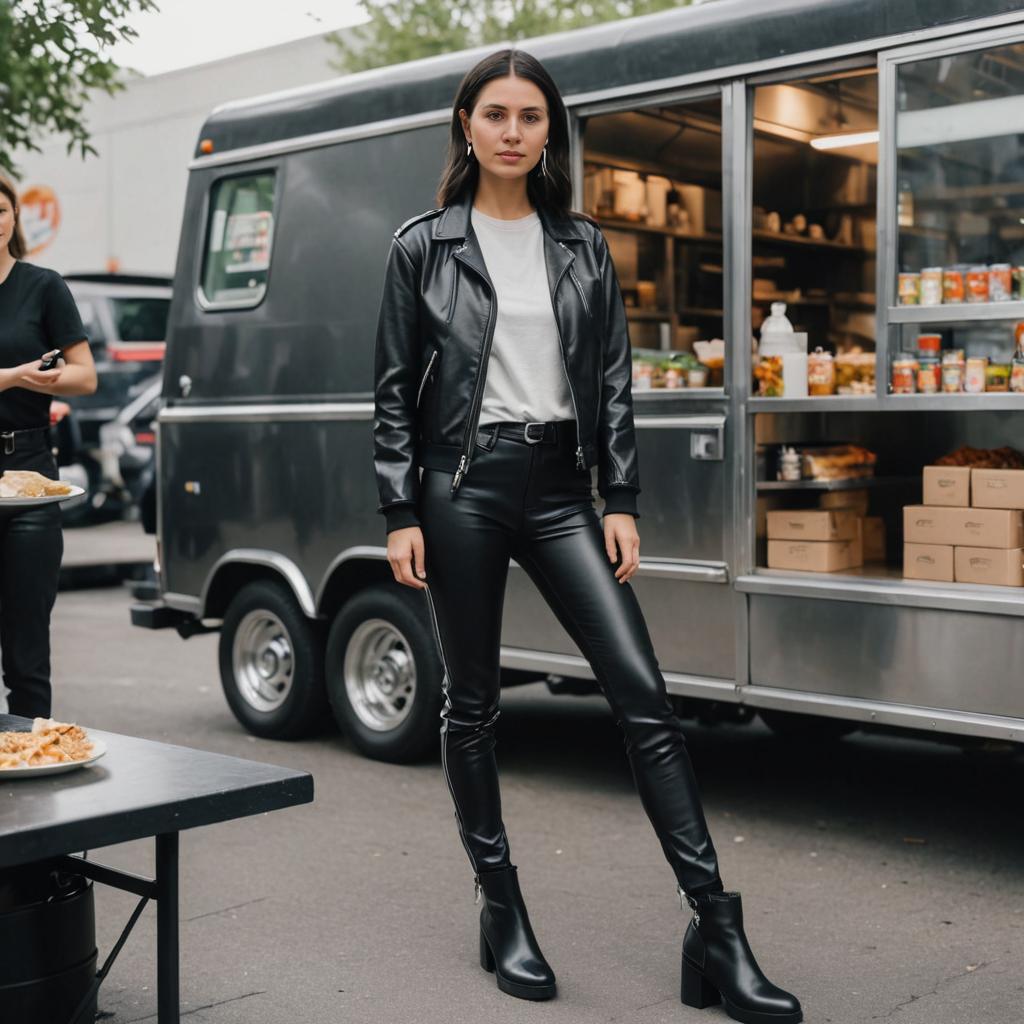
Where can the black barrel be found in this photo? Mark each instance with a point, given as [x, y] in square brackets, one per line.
[47, 945]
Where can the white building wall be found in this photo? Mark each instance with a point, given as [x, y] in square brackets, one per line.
[125, 205]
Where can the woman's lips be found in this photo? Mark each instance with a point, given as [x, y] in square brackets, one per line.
[511, 157]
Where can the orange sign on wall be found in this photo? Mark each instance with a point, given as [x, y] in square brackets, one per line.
[40, 217]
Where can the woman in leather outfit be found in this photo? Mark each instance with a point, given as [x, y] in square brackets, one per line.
[503, 370]
[37, 316]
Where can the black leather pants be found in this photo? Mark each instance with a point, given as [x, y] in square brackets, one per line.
[31, 548]
[529, 502]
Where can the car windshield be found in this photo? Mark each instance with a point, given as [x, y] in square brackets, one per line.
[141, 319]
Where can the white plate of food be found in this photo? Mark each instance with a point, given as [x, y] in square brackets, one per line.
[49, 748]
[25, 488]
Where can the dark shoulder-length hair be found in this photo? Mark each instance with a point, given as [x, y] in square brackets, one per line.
[553, 191]
[16, 246]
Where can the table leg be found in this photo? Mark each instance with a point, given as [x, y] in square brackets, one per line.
[167, 986]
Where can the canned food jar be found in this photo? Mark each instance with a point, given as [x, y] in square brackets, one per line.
[952, 285]
[1017, 375]
[997, 377]
[953, 370]
[1000, 282]
[931, 286]
[821, 373]
[930, 344]
[977, 284]
[910, 289]
[929, 375]
[904, 374]
[974, 375]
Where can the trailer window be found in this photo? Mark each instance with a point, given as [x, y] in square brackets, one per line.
[652, 177]
[239, 238]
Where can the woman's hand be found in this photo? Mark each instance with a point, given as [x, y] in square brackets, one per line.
[620, 535]
[405, 554]
[29, 375]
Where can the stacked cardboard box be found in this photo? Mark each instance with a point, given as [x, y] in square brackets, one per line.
[815, 540]
[970, 528]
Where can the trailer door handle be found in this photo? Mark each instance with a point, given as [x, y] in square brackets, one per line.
[706, 445]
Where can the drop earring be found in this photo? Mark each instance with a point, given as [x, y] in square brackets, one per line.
[469, 149]
[544, 161]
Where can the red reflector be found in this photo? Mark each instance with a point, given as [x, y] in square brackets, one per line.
[142, 438]
[137, 352]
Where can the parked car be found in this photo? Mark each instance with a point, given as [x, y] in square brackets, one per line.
[127, 452]
[125, 317]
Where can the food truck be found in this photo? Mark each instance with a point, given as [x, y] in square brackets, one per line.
[816, 213]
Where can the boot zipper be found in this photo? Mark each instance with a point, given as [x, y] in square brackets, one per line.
[474, 408]
[426, 374]
[693, 906]
[580, 461]
[477, 887]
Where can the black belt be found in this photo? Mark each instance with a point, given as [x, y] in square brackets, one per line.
[13, 439]
[533, 432]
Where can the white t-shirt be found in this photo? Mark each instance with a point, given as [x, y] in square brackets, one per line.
[525, 375]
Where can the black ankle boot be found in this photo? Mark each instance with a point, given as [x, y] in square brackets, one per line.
[508, 946]
[719, 967]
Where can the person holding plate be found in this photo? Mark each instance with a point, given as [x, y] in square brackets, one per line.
[38, 317]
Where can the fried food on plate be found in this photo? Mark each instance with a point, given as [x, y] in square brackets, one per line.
[49, 742]
[27, 483]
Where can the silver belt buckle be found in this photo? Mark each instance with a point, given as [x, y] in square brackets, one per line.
[526, 432]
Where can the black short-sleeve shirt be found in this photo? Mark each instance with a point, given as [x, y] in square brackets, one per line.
[37, 315]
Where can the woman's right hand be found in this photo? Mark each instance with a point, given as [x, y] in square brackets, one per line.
[405, 553]
[30, 374]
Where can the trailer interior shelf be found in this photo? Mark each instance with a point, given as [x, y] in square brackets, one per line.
[837, 485]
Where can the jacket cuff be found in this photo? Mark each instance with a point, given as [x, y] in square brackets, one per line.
[620, 499]
[400, 515]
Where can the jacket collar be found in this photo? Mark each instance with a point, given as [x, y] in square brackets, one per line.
[455, 222]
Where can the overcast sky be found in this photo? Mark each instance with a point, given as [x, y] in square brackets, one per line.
[187, 32]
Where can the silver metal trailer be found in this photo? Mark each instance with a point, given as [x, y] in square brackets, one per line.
[267, 523]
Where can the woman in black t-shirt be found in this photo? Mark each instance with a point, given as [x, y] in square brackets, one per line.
[37, 316]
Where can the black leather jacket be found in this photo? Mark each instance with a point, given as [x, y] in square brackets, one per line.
[434, 332]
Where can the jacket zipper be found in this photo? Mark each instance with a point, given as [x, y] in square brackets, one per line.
[455, 292]
[580, 461]
[474, 410]
[579, 287]
[426, 374]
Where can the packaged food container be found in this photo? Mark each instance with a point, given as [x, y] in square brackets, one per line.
[977, 284]
[769, 377]
[1000, 282]
[953, 365]
[855, 373]
[910, 289]
[952, 285]
[929, 344]
[674, 375]
[643, 371]
[790, 464]
[697, 377]
[1017, 374]
[997, 377]
[931, 286]
[929, 375]
[974, 375]
[821, 373]
[904, 375]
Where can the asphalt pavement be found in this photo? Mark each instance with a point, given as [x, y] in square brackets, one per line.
[882, 879]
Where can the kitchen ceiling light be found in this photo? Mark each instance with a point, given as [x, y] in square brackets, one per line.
[846, 139]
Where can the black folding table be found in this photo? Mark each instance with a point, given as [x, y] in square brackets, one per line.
[139, 788]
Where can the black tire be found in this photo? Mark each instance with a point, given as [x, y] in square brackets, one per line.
[271, 663]
[381, 645]
[806, 728]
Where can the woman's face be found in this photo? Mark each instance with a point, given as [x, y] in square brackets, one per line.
[510, 117]
[6, 222]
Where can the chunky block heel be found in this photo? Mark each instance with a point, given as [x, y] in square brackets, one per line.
[486, 956]
[695, 990]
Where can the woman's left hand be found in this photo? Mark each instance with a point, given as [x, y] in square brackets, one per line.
[620, 536]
